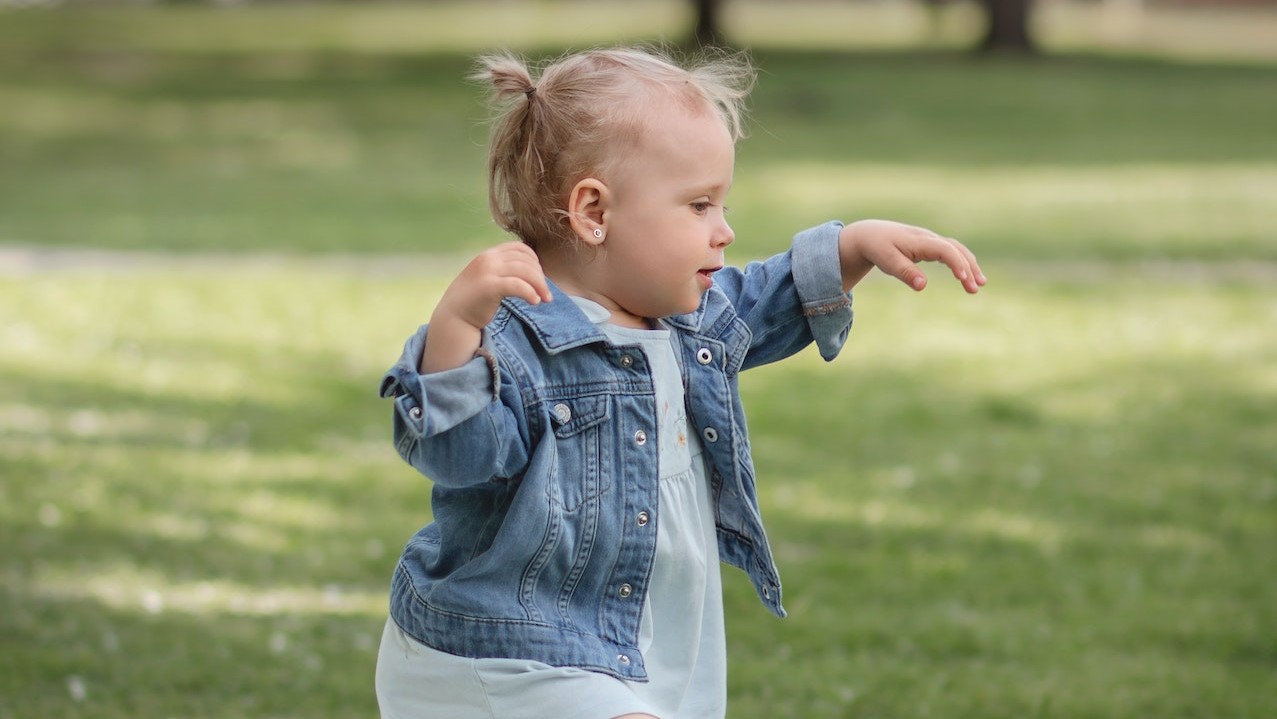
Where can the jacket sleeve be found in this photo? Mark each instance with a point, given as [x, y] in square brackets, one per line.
[459, 427]
[792, 299]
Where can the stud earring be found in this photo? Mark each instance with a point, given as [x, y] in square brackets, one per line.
[598, 233]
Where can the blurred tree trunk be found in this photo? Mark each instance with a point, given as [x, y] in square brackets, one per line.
[1008, 28]
[708, 31]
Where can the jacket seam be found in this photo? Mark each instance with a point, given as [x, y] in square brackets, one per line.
[827, 308]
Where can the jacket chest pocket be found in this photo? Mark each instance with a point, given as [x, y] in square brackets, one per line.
[581, 473]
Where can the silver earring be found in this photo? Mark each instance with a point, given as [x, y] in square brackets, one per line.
[598, 233]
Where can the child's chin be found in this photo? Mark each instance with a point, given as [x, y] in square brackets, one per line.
[691, 307]
[690, 304]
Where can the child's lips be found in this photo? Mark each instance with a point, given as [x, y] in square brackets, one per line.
[706, 276]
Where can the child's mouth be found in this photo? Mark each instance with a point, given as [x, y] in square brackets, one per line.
[706, 279]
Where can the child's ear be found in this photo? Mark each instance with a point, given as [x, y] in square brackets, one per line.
[587, 204]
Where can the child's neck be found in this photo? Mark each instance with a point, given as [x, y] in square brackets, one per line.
[620, 316]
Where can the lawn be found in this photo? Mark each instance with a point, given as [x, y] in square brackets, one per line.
[1055, 499]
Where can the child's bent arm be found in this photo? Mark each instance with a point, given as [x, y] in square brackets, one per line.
[455, 426]
[456, 327]
[451, 344]
[896, 249]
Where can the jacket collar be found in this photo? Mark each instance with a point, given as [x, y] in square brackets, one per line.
[560, 325]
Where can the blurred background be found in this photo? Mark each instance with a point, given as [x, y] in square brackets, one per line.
[219, 221]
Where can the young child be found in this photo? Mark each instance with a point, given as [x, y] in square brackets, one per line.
[574, 400]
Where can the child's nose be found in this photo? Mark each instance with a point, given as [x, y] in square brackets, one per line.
[724, 236]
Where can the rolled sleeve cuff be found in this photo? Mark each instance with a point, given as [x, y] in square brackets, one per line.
[818, 280]
[432, 403]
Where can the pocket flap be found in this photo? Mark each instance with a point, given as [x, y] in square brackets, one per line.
[577, 414]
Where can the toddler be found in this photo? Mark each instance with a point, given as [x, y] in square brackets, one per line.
[574, 400]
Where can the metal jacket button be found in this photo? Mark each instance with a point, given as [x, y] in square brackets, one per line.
[626, 361]
[704, 356]
[625, 591]
[415, 413]
[710, 434]
[640, 437]
[643, 519]
[562, 413]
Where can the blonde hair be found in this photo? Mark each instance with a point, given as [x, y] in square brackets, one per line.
[577, 114]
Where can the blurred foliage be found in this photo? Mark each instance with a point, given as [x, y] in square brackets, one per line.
[187, 131]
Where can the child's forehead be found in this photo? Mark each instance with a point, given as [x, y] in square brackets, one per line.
[662, 115]
[681, 147]
[686, 121]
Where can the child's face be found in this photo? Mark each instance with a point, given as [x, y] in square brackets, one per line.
[666, 230]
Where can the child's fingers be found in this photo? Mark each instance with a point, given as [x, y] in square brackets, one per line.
[903, 268]
[514, 286]
[977, 275]
[931, 247]
[539, 288]
[960, 261]
[540, 284]
[534, 276]
[522, 263]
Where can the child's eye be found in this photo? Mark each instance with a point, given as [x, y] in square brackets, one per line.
[701, 207]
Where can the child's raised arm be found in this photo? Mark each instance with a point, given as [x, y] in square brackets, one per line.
[510, 269]
[896, 249]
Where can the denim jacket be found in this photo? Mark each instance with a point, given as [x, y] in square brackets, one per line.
[545, 481]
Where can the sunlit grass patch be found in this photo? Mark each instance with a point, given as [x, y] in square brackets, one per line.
[810, 501]
[129, 589]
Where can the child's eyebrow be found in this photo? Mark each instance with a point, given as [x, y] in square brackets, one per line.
[709, 186]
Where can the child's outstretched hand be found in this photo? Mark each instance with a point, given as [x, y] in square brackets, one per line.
[896, 249]
[510, 269]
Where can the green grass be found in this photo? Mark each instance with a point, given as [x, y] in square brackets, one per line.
[1028, 504]
[1055, 499]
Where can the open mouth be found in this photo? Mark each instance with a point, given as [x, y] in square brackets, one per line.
[707, 272]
